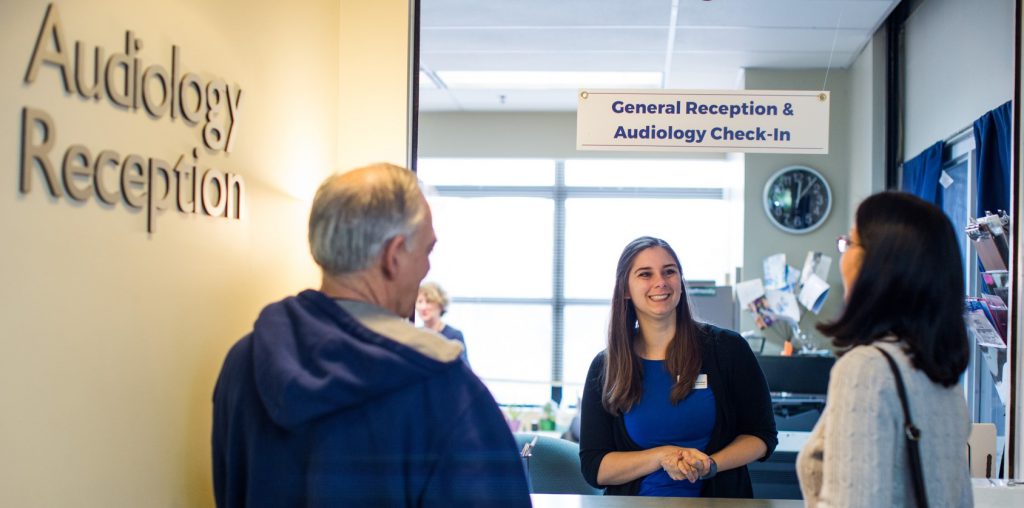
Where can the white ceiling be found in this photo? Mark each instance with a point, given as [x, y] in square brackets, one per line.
[696, 44]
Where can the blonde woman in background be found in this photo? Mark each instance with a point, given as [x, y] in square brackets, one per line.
[431, 304]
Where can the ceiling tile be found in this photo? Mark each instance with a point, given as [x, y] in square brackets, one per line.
[484, 13]
[551, 40]
[714, 40]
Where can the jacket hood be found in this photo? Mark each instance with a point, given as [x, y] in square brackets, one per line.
[311, 358]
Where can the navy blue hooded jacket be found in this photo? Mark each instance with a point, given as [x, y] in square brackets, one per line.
[314, 409]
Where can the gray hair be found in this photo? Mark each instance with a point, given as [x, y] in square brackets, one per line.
[355, 214]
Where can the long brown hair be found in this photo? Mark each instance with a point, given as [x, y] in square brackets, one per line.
[623, 373]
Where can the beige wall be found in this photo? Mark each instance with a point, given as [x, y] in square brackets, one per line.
[113, 337]
[372, 33]
[958, 65]
[867, 123]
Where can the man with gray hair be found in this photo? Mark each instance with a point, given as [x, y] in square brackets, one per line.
[336, 399]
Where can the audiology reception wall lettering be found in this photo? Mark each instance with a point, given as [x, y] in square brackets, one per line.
[142, 182]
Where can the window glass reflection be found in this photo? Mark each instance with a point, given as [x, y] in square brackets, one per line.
[596, 230]
[527, 172]
[586, 333]
[508, 343]
[493, 247]
[721, 173]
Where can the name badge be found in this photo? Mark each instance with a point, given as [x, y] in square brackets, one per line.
[702, 382]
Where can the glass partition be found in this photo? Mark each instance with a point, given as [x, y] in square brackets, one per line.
[529, 262]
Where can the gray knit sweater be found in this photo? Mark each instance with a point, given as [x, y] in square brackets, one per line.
[857, 454]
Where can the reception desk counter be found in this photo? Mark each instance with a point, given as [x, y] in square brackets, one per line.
[987, 494]
[575, 501]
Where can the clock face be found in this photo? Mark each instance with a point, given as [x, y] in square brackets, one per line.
[797, 199]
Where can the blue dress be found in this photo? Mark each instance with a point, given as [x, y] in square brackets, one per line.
[452, 333]
[654, 422]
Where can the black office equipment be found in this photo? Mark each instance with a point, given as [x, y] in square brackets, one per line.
[798, 385]
[797, 375]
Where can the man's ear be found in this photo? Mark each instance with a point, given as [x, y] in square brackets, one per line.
[389, 258]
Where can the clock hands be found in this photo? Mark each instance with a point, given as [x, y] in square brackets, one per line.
[800, 193]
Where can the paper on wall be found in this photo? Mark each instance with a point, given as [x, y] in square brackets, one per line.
[783, 303]
[748, 291]
[945, 180]
[763, 316]
[816, 263]
[775, 271]
[792, 278]
[814, 293]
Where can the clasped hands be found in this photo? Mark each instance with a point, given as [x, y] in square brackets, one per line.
[685, 463]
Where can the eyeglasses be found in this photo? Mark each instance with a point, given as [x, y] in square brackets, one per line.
[844, 242]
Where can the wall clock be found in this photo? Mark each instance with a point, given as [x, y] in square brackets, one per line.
[797, 199]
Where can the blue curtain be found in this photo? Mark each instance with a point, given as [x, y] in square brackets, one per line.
[992, 159]
[921, 174]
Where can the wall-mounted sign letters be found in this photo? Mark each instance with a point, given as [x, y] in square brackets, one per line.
[768, 121]
[129, 84]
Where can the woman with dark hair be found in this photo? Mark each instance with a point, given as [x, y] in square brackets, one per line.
[904, 291]
[672, 407]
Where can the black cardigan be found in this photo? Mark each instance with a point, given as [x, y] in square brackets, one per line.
[743, 405]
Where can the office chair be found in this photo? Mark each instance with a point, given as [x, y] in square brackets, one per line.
[555, 466]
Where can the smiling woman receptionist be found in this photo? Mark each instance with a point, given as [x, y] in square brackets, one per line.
[672, 407]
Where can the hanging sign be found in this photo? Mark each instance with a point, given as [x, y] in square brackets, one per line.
[764, 121]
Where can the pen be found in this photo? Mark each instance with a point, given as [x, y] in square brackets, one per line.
[528, 448]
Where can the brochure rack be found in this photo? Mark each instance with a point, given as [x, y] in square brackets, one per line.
[985, 314]
[990, 237]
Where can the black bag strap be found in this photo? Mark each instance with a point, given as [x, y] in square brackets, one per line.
[912, 432]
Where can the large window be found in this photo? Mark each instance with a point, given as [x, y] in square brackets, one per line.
[527, 251]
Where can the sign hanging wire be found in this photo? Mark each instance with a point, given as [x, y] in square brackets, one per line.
[835, 36]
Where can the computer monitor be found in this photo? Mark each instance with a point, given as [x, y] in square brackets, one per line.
[797, 374]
